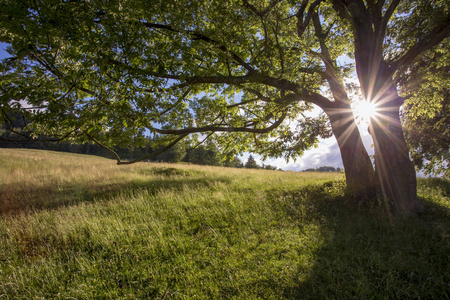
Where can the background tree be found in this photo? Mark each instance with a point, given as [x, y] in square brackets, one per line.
[233, 163]
[110, 72]
[204, 155]
[326, 169]
[173, 155]
[269, 167]
[251, 163]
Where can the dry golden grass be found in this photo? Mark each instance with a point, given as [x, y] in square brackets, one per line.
[38, 179]
[35, 179]
[81, 227]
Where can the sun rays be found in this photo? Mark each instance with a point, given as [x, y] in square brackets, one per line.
[364, 111]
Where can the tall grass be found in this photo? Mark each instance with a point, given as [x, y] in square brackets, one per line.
[80, 227]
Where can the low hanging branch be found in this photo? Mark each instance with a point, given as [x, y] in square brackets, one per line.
[103, 146]
[154, 153]
[121, 162]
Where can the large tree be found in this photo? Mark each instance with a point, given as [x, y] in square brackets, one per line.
[426, 112]
[240, 72]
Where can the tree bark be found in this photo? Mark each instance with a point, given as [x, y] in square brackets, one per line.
[359, 173]
[395, 176]
[394, 171]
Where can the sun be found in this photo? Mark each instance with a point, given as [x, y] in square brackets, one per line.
[364, 111]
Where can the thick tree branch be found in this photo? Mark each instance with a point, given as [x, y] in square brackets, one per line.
[324, 103]
[282, 84]
[158, 26]
[380, 3]
[388, 14]
[186, 81]
[303, 23]
[330, 74]
[376, 12]
[325, 54]
[430, 40]
[340, 7]
[213, 128]
[354, 11]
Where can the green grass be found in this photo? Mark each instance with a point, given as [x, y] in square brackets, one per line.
[80, 227]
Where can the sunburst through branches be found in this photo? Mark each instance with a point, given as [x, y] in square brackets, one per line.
[364, 111]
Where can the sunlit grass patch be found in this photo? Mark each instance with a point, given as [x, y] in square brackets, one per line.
[188, 232]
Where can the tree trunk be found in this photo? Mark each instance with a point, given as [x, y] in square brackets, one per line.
[359, 172]
[394, 171]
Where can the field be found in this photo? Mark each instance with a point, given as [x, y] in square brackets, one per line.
[81, 227]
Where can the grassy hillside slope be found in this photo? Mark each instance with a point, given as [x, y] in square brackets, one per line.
[81, 227]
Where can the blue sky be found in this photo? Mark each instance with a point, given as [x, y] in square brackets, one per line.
[3, 50]
[326, 154]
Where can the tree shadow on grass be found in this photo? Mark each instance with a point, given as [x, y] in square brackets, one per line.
[368, 254]
[15, 199]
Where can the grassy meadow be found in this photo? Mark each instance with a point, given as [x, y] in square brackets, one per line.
[80, 227]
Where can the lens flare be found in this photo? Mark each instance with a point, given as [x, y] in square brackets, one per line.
[364, 111]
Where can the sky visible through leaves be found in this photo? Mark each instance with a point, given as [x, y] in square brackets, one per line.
[326, 154]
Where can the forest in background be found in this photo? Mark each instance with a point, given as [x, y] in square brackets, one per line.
[203, 154]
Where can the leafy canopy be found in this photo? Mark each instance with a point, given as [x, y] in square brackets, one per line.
[115, 71]
[426, 113]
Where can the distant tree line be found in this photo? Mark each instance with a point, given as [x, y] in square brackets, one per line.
[323, 169]
[207, 154]
[204, 154]
[252, 164]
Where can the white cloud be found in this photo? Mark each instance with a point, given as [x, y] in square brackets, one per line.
[326, 154]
